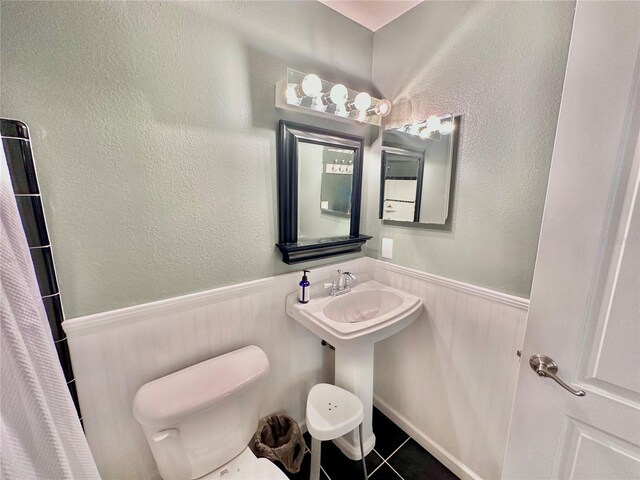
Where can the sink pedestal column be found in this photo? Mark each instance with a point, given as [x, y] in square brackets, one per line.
[354, 372]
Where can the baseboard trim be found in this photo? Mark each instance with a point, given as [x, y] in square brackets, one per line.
[493, 295]
[452, 463]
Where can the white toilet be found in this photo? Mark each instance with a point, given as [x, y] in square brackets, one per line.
[199, 421]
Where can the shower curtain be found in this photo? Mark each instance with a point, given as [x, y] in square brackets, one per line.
[40, 434]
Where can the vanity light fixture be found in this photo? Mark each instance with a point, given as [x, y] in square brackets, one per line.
[446, 127]
[430, 128]
[317, 96]
[425, 133]
[294, 94]
[382, 108]
[433, 123]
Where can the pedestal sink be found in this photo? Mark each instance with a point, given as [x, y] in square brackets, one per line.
[352, 323]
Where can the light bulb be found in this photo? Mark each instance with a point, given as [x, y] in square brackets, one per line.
[311, 85]
[341, 110]
[294, 94]
[383, 107]
[318, 104]
[446, 128]
[338, 94]
[424, 133]
[433, 123]
[362, 101]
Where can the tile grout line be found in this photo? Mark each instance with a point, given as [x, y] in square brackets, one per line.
[306, 447]
[381, 463]
[376, 469]
[384, 460]
[394, 452]
[395, 471]
[325, 472]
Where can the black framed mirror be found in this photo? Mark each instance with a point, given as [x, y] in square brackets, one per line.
[319, 192]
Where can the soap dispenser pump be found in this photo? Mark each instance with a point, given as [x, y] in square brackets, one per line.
[305, 288]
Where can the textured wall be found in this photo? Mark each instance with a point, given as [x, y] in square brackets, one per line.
[154, 133]
[500, 65]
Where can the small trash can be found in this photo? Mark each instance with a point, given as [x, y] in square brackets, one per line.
[279, 438]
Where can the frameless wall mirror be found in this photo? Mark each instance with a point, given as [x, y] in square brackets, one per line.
[415, 179]
[319, 187]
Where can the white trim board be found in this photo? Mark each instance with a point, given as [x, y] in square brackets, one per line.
[505, 298]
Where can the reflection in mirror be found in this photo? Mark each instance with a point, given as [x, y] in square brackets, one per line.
[401, 193]
[417, 161]
[324, 191]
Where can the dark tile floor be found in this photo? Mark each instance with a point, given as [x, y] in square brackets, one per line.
[395, 457]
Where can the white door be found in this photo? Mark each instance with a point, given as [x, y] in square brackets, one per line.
[585, 300]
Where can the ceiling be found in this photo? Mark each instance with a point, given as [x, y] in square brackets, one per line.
[372, 14]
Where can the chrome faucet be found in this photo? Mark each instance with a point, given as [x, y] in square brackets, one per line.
[343, 285]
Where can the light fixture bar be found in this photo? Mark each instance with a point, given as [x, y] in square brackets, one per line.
[309, 92]
[431, 128]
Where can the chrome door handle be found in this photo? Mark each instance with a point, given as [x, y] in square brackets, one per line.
[546, 367]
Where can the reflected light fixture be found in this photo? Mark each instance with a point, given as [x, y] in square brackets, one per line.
[433, 123]
[431, 128]
[310, 92]
[424, 132]
[446, 128]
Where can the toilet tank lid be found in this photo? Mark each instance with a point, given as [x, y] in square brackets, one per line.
[167, 400]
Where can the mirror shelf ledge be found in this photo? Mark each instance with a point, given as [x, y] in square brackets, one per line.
[296, 252]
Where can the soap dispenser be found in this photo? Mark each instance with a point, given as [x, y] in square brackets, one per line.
[305, 288]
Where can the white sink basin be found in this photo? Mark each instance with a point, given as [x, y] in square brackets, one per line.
[362, 306]
[369, 313]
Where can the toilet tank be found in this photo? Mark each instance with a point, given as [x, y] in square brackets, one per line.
[199, 418]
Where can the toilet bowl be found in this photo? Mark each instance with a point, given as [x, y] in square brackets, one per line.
[199, 421]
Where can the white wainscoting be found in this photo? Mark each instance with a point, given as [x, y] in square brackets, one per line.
[449, 379]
